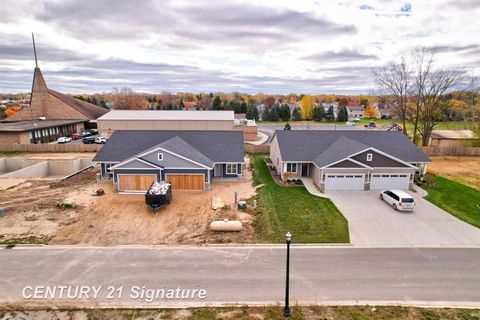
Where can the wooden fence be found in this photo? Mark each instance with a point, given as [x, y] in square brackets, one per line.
[451, 151]
[70, 147]
[251, 148]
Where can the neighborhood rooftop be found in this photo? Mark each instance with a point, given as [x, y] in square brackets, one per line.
[326, 146]
[168, 115]
[217, 146]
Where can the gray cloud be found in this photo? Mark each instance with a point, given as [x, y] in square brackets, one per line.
[340, 56]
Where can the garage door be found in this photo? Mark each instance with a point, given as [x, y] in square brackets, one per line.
[382, 181]
[138, 182]
[186, 181]
[344, 181]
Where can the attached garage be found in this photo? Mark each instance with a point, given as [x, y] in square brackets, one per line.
[135, 182]
[382, 181]
[186, 181]
[350, 182]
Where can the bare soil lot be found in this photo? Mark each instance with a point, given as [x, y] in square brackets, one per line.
[32, 216]
[462, 169]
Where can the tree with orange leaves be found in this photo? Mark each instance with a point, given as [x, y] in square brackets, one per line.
[371, 112]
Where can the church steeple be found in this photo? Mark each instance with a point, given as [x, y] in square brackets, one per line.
[34, 51]
[39, 94]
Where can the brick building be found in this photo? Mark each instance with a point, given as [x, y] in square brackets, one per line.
[49, 116]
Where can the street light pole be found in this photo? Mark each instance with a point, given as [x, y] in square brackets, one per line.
[286, 310]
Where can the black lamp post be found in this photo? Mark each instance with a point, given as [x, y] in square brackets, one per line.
[286, 310]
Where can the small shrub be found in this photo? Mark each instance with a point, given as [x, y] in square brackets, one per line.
[65, 205]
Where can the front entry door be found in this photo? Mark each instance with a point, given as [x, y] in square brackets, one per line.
[304, 169]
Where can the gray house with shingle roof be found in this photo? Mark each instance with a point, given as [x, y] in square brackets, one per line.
[347, 160]
[189, 160]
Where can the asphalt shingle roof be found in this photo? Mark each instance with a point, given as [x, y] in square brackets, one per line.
[216, 146]
[328, 146]
[90, 110]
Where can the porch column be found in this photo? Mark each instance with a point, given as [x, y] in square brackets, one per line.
[424, 169]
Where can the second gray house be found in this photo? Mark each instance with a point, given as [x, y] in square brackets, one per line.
[189, 160]
[347, 160]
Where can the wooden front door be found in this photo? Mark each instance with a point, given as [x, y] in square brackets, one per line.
[138, 182]
[186, 181]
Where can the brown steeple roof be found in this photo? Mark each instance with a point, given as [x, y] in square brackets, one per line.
[92, 111]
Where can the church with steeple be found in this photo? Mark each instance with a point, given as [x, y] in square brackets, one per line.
[50, 115]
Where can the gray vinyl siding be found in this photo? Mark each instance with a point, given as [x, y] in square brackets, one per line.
[224, 171]
[378, 160]
[170, 161]
[136, 164]
[346, 164]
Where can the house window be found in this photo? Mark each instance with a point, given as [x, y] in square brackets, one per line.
[108, 165]
[369, 157]
[160, 157]
[231, 168]
[292, 167]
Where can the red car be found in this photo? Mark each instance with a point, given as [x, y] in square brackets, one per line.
[75, 136]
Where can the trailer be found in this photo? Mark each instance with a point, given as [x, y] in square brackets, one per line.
[158, 195]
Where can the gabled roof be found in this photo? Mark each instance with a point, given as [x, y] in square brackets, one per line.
[90, 110]
[179, 147]
[312, 145]
[217, 146]
[340, 149]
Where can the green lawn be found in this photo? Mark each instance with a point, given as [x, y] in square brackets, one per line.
[309, 218]
[460, 200]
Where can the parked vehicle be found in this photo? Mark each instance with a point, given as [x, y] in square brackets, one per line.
[64, 140]
[94, 131]
[158, 195]
[85, 134]
[88, 140]
[75, 136]
[398, 199]
[101, 140]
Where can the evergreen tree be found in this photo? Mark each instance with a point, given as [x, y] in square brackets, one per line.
[284, 113]
[170, 106]
[180, 105]
[330, 115]
[217, 103]
[318, 113]
[266, 115]
[103, 104]
[273, 113]
[255, 113]
[342, 114]
[296, 115]
[225, 104]
[243, 108]
[249, 114]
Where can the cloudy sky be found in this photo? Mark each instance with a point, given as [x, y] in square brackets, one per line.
[277, 46]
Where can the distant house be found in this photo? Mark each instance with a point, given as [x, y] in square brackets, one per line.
[355, 111]
[189, 160]
[384, 110]
[327, 106]
[451, 138]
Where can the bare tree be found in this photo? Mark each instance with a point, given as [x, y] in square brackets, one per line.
[396, 80]
[432, 100]
[127, 99]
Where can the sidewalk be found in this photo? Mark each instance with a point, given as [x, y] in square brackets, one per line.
[308, 183]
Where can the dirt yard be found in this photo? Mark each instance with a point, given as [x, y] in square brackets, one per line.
[32, 216]
[463, 169]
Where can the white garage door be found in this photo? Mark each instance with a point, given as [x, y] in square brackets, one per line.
[344, 181]
[381, 181]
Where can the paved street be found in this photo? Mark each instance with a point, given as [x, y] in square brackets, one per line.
[341, 275]
[373, 223]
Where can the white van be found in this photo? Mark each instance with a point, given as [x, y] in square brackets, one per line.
[398, 199]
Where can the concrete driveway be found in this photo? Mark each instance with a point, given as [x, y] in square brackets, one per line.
[373, 223]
